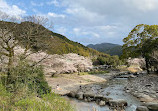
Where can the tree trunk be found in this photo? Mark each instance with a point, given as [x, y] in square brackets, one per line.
[147, 65]
[10, 65]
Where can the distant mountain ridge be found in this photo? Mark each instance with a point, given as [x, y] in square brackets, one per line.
[109, 48]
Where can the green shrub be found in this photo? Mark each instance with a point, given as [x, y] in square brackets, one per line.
[4, 98]
[26, 76]
[108, 60]
[21, 93]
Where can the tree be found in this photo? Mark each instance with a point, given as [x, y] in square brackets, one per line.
[33, 34]
[7, 42]
[26, 34]
[141, 42]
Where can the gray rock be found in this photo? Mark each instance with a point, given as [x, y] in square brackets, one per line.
[89, 95]
[132, 76]
[72, 94]
[152, 106]
[97, 101]
[127, 91]
[142, 108]
[118, 103]
[79, 96]
[99, 97]
[85, 99]
[108, 93]
[89, 99]
[102, 103]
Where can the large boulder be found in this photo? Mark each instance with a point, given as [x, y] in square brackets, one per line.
[118, 103]
[152, 106]
[142, 108]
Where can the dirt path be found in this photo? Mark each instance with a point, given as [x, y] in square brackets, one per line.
[64, 83]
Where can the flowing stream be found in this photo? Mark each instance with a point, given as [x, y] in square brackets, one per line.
[115, 88]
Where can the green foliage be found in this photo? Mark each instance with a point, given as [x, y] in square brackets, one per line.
[109, 60]
[141, 42]
[24, 75]
[28, 91]
[138, 42]
[4, 98]
[98, 72]
[102, 60]
[93, 72]
[47, 102]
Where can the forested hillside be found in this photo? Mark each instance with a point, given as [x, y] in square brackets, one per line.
[109, 48]
[52, 42]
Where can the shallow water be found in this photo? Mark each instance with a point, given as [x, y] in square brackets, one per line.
[116, 89]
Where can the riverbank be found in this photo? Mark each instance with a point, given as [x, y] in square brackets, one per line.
[63, 84]
[107, 89]
[103, 89]
[144, 87]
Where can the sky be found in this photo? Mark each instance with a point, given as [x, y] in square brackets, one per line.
[88, 21]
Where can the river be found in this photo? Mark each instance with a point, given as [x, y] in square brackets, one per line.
[115, 88]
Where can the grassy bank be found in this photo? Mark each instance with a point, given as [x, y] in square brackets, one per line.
[27, 90]
[93, 72]
[47, 102]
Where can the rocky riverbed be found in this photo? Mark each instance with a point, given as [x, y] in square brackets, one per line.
[121, 91]
[109, 95]
[144, 87]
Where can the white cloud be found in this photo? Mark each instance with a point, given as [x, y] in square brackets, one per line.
[83, 32]
[37, 4]
[53, 2]
[106, 27]
[143, 5]
[51, 14]
[77, 31]
[109, 20]
[11, 10]
[84, 16]
[112, 10]
[61, 30]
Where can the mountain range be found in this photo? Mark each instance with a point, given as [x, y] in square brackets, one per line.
[109, 48]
